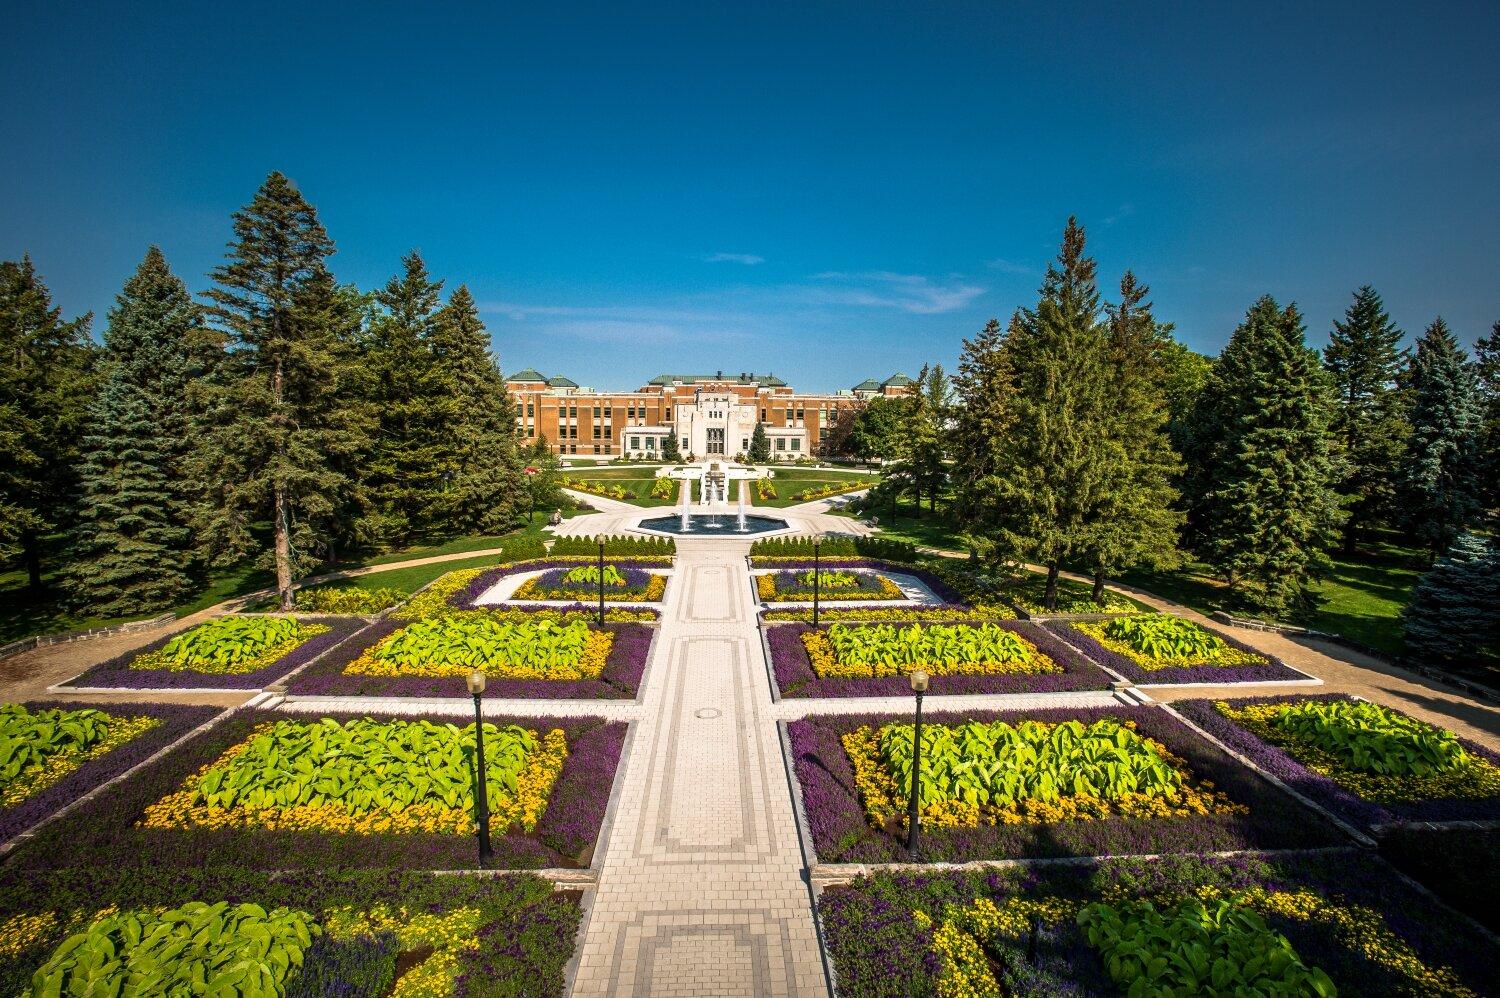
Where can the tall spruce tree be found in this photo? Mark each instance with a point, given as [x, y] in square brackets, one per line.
[477, 456]
[1455, 605]
[282, 410]
[760, 446]
[405, 476]
[132, 550]
[46, 379]
[1264, 475]
[1364, 357]
[925, 442]
[670, 451]
[982, 419]
[1048, 480]
[1439, 479]
[1487, 372]
[1135, 521]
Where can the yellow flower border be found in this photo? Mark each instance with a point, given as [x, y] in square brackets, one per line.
[159, 660]
[1476, 779]
[590, 664]
[826, 665]
[184, 808]
[885, 805]
[1228, 658]
[43, 774]
[765, 588]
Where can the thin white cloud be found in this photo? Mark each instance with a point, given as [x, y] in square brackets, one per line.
[1005, 266]
[914, 293]
[1121, 213]
[748, 259]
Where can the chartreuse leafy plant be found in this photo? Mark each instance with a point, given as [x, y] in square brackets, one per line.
[875, 651]
[367, 776]
[198, 948]
[1160, 641]
[458, 643]
[589, 575]
[981, 773]
[582, 583]
[347, 599]
[798, 586]
[1379, 753]
[38, 748]
[828, 580]
[1193, 948]
[229, 645]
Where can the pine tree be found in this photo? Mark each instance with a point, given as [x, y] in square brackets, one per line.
[1135, 521]
[671, 453]
[46, 379]
[1439, 480]
[1264, 475]
[404, 476]
[924, 449]
[1487, 373]
[982, 419]
[132, 549]
[1364, 357]
[1455, 605]
[281, 416]
[476, 456]
[760, 446]
[1050, 478]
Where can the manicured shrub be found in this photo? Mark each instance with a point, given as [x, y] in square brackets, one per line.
[834, 547]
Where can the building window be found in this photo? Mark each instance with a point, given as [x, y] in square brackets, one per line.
[800, 414]
[531, 408]
[635, 443]
[597, 413]
[781, 443]
[651, 443]
[796, 444]
[744, 444]
[684, 443]
[763, 415]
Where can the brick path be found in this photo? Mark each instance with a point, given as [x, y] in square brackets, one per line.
[701, 888]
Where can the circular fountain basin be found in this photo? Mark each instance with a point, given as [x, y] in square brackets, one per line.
[712, 525]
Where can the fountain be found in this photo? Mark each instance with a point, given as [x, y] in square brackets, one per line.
[713, 517]
[740, 520]
[685, 494]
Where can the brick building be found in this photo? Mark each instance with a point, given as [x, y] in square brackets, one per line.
[709, 413]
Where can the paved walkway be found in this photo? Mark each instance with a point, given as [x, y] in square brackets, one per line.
[701, 888]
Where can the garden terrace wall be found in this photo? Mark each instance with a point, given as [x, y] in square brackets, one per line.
[525, 940]
[176, 721]
[620, 680]
[841, 833]
[1272, 671]
[795, 676]
[465, 598]
[1323, 790]
[877, 947]
[104, 830]
[117, 673]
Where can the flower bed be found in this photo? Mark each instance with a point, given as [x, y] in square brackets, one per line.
[1224, 660]
[1342, 775]
[344, 672]
[317, 807]
[160, 665]
[1055, 668]
[348, 599]
[796, 586]
[353, 933]
[1250, 813]
[581, 583]
[461, 590]
[1299, 925]
[458, 644]
[122, 737]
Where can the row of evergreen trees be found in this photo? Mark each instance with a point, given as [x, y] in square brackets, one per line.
[1085, 435]
[288, 419]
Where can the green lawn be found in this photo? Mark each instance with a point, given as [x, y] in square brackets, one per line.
[23, 614]
[638, 482]
[927, 530]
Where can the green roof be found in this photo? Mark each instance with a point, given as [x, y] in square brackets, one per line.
[898, 380]
[530, 374]
[769, 380]
[868, 385]
[561, 382]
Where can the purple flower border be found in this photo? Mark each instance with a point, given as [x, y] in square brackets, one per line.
[795, 677]
[176, 721]
[1273, 670]
[620, 680]
[117, 674]
[841, 833]
[945, 593]
[636, 580]
[1325, 791]
[465, 597]
[102, 832]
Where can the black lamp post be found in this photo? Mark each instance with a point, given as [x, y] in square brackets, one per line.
[913, 815]
[601, 582]
[817, 576]
[531, 473]
[481, 788]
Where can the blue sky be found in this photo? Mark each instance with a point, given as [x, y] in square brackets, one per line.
[830, 191]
